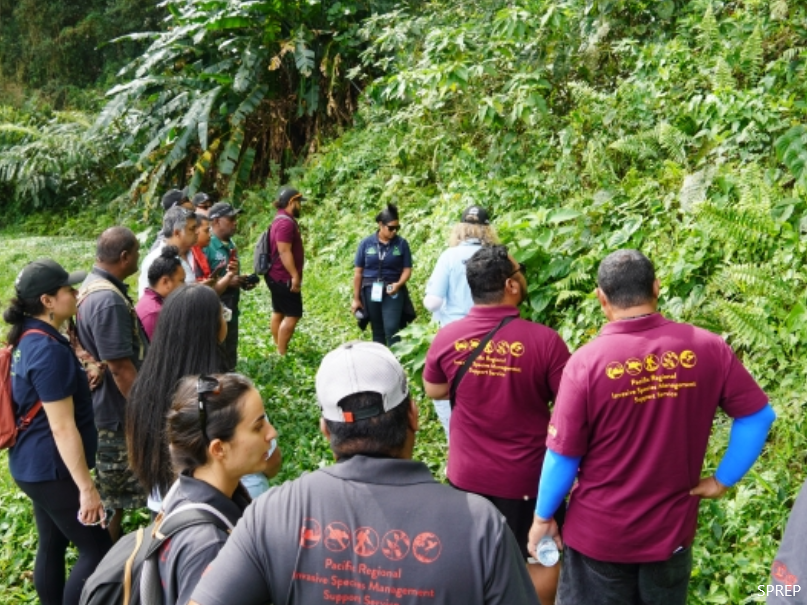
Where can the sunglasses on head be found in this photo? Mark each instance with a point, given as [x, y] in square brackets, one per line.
[206, 385]
[393, 227]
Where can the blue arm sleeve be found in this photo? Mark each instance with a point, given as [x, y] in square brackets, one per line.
[557, 478]
[747, 437]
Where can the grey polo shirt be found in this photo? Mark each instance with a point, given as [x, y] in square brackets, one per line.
[789, 570]
[106, 329]
[369, 531]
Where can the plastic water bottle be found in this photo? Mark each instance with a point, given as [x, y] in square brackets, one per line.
[547, 552]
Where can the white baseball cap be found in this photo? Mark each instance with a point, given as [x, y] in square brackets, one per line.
[360, 367]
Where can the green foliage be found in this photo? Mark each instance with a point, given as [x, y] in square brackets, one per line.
[47, 161]
[232, 87]
[58, 47]
[589, 126]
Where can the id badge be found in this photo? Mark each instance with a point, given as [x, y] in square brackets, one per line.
[377, 292]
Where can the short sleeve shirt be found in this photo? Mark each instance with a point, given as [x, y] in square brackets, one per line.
[148, 310]
[637, 404]
[218, 255]
[285, 230]
[449, 282]
[499, 422]
[387, 260]
[368, 530]
[108, 330]
[45, 369]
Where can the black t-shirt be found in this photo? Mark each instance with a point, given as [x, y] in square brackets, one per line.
[369, 531]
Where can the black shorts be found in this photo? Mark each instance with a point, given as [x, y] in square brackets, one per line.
[519, 514]
[284, 301]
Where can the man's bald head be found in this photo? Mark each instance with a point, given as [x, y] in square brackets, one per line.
[113, 242]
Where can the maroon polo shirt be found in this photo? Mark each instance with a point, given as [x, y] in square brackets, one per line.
[499, 423]
[287, 231]
[148, 310]
[637, 404]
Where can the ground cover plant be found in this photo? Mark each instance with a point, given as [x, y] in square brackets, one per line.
[676, 127]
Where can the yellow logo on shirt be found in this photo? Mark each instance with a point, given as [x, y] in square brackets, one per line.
[651, 363]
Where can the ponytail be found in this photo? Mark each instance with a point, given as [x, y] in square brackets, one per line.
[388, 214]
[16, 312]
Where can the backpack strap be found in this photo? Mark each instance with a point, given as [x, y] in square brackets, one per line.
[128, 567]
[185, 516]
[26, 420]
[452, 392]
[103, 284]
[276, 255]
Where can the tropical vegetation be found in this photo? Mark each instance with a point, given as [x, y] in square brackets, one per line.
[677, 127]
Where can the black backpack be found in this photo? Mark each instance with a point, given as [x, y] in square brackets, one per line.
[129, 573]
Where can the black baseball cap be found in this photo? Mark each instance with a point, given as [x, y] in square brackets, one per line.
[172, 198]
[200, 198]
[287, 194]
[220, 209]
[475, 215]
[43, 276]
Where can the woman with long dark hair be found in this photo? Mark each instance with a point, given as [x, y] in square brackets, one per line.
[53, 455]
[383, 265]
[187, 340]
[218, 431]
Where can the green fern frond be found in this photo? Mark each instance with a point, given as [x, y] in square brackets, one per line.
[750, 280]
[730, 224]
[751, 56]
[673, 141]
[709, 32]
[747, 325]
[641, 146]
[722, 76]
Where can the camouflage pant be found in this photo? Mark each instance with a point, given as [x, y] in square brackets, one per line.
[114, 479]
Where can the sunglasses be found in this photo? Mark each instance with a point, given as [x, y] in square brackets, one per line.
[393, 227]
[521, 268]
[108, 514]
[206, 385]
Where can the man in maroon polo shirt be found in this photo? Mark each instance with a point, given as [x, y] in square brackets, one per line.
[285, 276]
[499, 422]
[631, 422]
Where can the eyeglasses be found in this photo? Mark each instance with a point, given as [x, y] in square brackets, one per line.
[521, 268]
[393, 227]
[206, 385]
[205, 206]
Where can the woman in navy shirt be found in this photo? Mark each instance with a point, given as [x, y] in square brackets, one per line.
[52, 457]
[383, 265]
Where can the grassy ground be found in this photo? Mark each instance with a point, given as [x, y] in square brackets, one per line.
[736, 541]
[287, 386]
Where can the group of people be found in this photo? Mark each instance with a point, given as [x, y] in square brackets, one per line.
[599, 452]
